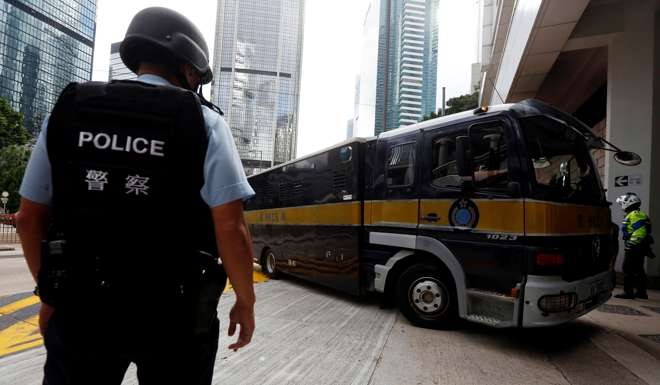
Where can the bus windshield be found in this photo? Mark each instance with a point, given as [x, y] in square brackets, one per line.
[562, 164]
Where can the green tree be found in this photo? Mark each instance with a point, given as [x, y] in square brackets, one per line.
[12, 130]
[14, 153]
[13, 159]
[432, 115]
[460, 103]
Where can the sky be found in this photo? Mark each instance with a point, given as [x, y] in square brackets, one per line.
[331, 54]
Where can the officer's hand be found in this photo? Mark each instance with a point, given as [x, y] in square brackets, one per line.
[45, 312]
[243, 315]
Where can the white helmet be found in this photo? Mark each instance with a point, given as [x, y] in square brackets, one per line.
[628, 200]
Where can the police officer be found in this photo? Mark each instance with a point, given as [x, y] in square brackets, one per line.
[636, 230]
[132, 192]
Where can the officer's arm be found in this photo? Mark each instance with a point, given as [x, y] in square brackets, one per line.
[32, 225]
[235, 250]
[639, 232]
[235, 247]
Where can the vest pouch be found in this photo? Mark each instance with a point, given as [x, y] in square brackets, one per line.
[54, 278]
[204, 292]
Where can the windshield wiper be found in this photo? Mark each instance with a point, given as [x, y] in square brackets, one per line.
[626, 158]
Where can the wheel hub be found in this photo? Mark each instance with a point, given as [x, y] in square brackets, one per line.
[270, 262]
[427, 295]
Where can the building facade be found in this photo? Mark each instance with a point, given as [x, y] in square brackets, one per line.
[118, 71]
[365, 93]
[44, 45]
[257, 61]
[407, 62]
[596, 59]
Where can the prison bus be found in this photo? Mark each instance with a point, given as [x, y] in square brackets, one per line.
[497, 216]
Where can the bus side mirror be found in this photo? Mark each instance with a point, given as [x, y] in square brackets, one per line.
[627, 158]
[463, 157]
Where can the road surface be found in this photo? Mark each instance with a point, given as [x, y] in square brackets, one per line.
[309, 335]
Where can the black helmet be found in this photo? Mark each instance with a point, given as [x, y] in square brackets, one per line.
[162, 35]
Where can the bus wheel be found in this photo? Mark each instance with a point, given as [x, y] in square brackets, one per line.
[268, 264]
[427, 296]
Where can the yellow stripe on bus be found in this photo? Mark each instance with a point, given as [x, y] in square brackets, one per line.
[514, 216]
[404, 212]
[329, 214]
[543, 218]
[496, 216]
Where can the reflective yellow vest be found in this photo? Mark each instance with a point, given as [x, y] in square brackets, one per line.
[635, 227]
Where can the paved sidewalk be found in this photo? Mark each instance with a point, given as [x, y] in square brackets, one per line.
[637, 321]
[309, 335]
[11, 250]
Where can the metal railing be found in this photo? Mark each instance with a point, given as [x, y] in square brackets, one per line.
[8, 232]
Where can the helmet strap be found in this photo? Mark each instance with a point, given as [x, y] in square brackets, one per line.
[206, 103]
[183, 80]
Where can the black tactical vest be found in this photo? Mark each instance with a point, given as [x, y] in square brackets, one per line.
[127, 169]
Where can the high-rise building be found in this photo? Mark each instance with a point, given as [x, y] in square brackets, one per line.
[365, 94]
[407, 62]
[350, 128]
[257, 60]
[44, 45]
[118, 71]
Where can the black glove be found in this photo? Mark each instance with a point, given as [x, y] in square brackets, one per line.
[628, 245]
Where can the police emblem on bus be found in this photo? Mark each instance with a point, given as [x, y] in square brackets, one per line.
[464, 213]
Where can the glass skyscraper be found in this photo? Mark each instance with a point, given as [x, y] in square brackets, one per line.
[257, 60]
[118, 71]
[44, 45]
[406, 78]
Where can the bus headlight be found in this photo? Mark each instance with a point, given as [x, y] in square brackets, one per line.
[557, 303]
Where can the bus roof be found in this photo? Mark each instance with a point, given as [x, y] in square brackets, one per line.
[340, 144]
[523, 108]
[442, 120]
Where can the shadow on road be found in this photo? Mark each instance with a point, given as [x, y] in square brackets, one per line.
[555, 340]
[548, 339]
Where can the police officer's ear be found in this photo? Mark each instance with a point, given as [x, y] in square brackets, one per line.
[192, 76]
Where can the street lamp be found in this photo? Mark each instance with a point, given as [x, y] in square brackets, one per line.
[4, 199]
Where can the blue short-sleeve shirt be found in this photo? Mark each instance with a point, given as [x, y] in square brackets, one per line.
[224, 178]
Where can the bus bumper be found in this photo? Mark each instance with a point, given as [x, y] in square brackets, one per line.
[543, 293]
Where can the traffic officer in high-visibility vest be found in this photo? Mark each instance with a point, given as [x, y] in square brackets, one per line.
[636, 230]
[132, 196]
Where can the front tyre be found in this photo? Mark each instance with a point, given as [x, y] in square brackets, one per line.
[426, 296]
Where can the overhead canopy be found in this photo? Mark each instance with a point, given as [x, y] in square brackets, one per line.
[529, 36]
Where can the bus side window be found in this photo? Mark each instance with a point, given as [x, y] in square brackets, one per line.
[489, 155]
[400, 166]
[445, 172]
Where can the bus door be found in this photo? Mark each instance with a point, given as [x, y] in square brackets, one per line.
[480, 220]
[394, 206]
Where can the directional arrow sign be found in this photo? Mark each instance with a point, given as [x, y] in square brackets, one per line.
[621, 181]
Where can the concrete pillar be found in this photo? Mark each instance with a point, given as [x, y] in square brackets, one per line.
[653, 266]
[632, 112]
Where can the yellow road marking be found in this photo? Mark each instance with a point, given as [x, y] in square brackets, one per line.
[18, 305]
[257, 277]
[24, 335]
[20, 336]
